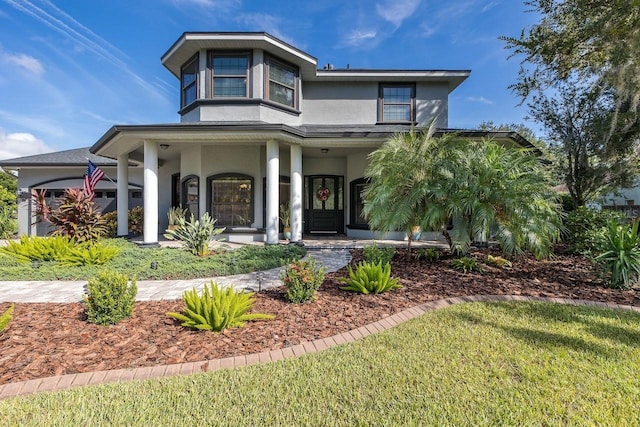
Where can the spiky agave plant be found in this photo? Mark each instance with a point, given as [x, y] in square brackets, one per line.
[217, 308]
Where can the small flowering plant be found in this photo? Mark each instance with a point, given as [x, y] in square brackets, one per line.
[302, 279]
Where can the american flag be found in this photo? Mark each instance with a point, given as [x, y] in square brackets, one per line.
[91, 178]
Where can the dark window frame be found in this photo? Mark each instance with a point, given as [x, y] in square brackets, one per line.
[212, 75]
[268, 61]
[183, 190]
[176, 190]
[195, 60]
[355, 197]
[212, 178]
[382, 103]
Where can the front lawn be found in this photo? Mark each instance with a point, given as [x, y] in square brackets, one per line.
[170, 263]
[470, 364]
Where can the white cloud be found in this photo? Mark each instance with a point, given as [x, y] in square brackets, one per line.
[21, 144]
[396, 11]
[25, 61]
[480, 99]
[358, 37]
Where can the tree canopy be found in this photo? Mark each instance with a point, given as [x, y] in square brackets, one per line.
[595, 158]
[596, 41]
[480, 187]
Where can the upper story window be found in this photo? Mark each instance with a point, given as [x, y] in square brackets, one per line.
[230, 74]
[397, 103]
[282, 83]
[189, 82]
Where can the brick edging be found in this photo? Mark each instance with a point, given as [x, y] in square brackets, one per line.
[62, 382]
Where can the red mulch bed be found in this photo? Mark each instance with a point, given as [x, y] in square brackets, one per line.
[54, 339]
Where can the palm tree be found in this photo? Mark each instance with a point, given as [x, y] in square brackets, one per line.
[479, 186]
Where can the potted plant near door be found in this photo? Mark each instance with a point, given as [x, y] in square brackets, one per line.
[174, 215]
[285, 217]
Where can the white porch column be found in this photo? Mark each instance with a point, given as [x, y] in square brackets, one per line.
[150, 230]
[273, 169]
[123, 195]
[296, 193]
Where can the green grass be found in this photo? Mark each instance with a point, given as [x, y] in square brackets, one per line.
[471, 364]
[173, 263]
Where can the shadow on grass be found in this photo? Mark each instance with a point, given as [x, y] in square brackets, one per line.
[581, 320]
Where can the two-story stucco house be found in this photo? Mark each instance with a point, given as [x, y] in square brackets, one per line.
[260, 125]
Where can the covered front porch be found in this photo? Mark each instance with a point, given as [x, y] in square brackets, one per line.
[243, 177]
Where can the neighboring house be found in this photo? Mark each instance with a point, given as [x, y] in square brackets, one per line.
[260, 125]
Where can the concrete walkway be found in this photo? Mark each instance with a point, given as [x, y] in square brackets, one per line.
[332, 259]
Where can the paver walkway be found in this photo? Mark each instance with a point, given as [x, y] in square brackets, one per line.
[72, 291]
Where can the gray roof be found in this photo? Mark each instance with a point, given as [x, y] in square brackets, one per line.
[75, 157]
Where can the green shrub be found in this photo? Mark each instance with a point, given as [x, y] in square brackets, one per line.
[217, 308]
[302, 279]
[498, 261]
[111, 222]
[374, 254]
[428, 254]
[90, 254]
[194, 234]
[466, 264]
[5, 318]
[39, 248]
[370, 278]
[110, 298]
[619, 260]
[8, 223]
[585, 229]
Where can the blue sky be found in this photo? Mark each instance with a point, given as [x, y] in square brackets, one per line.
[69, 70]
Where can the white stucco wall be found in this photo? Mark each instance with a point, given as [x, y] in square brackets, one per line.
[60, 179]
[340, 103]
[432, 101]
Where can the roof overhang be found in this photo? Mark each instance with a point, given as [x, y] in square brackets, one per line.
[129, 139]
[453, 78]
[190, 43]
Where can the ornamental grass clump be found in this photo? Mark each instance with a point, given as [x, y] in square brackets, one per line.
[619, 260]
[110, 298]
[302, 279]
[194, 234]
[61, 249]
[369, 278]
[466, 265]
[217, 308]
[428, 254]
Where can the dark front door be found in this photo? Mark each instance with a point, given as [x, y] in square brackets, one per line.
[325, 204]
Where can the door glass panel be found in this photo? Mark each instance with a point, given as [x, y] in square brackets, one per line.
[340, 194]
[317, 187]
[192, 196]
[329, 189]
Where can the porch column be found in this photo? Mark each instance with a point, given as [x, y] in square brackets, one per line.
[273, 169]
[150, 230]
[123, 195]
[296, 193]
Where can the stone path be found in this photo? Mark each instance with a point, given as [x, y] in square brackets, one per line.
[72, 291]
[62, 382]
